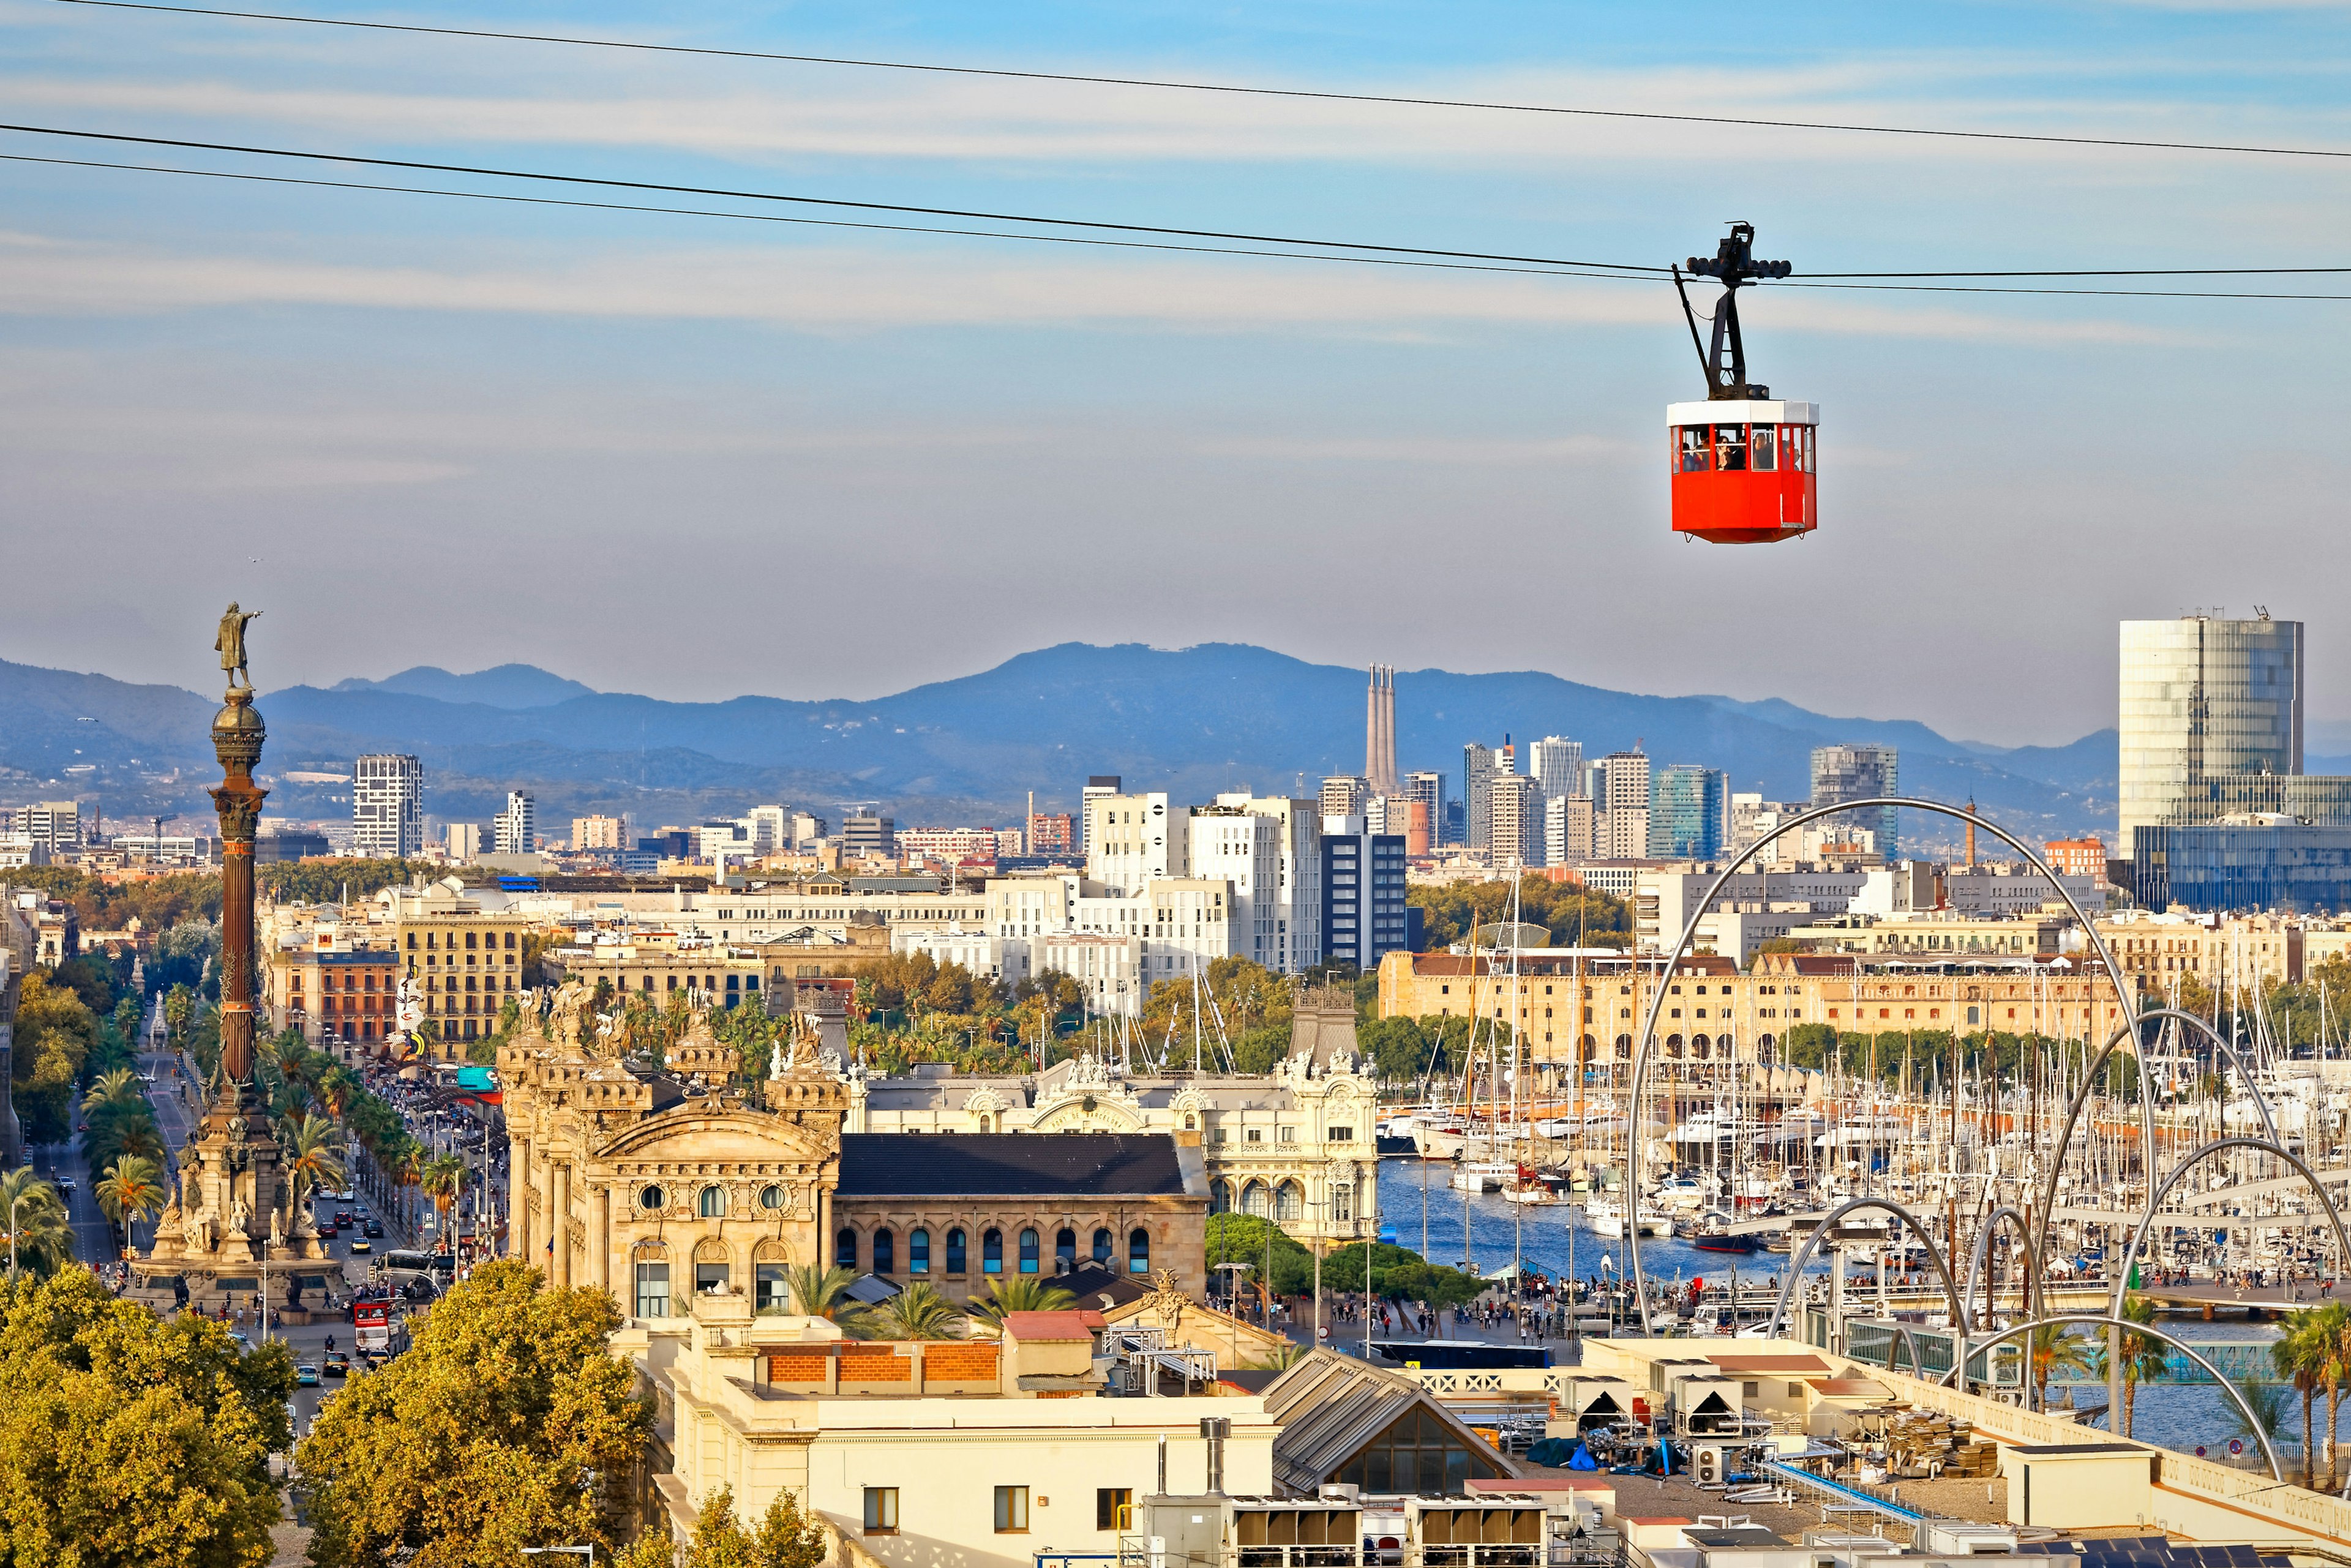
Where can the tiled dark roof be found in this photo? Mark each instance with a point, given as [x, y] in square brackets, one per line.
[1007, 1164]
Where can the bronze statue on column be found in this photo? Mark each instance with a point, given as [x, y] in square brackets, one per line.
[237, 736]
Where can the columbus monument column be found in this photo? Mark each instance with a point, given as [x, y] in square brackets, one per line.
[232, 1209]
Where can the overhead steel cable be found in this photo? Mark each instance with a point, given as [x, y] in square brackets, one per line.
[510, 196]
[1233, 88]
[1338, 258]
[609, 182]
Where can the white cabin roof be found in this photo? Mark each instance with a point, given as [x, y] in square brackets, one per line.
[1744, 412]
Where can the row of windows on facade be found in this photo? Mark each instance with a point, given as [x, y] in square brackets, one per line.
[1287, 1134]
[881, 1251]
[1113, 1510]
[432, 940]
[1284, 1204]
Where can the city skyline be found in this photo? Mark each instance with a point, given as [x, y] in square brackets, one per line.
[275, 376]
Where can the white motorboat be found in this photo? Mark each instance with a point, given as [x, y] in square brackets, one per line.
[1482, 1175]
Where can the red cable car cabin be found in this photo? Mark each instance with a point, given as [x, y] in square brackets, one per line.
[1744, 472]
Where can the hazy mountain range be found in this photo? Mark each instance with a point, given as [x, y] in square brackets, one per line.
[1192, 721]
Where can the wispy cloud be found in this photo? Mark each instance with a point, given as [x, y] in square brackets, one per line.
[834, 289]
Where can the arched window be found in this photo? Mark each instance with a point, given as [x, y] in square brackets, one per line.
[954, 1252]
[1673, 1045]
[991, 1252]
[1138, 1252]
[770, 1268]
[771, 1197]
[1590, 1046]
[1289, 1203]
[918, 1252]
[1065, 1251]
[844, 1249]
[1220, 1197]
[1103, 1247]
[653, 1280]
[1257, 1198]
[885, 1251]
[711, 1267]
[714, 1202]
[1191, 1123]
[1766, 1048]
[1028, 1251]
[1701, 1047]
[1624, 1047]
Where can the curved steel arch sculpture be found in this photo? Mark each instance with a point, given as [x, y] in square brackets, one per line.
[1689, 931]
[1982, 1255]
[2109, 1319]
[1959, 1319]
[2147, 1108]
[2156, 1196]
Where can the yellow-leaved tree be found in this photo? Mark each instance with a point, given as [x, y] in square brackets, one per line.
[784, 1538]
[506, 1424]
[129, 1442]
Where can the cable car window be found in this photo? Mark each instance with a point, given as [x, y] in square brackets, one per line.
[1730, 449]
[1693, 460]
[1811, 451]
[1763, 448]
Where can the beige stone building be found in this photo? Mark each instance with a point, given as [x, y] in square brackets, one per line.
[1586, 1012]
[659, 1187]
[1297, 1145]
[463, 963]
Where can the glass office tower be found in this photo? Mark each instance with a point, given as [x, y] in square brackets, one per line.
[2205, 700]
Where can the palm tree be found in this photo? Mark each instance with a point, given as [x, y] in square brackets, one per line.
[2331, 1324]
[1023, 1294]
[2053, 1350]
[819, 1292]
[131, 1190]
[441, 1180]
[40, 1232]
[118, 1089]
[2143, 1356]
[918, 1311]
[2300, 1353]
[314, 1155]
[2268, 1402]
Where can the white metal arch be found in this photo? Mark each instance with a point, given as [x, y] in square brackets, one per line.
[1689, 931]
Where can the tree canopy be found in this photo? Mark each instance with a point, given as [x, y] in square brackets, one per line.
[1399, 1274]
[784, 1538]
[55, 1034]
[1573, 913]
[126, 1440]
[506, 1424]
[1250, 1238]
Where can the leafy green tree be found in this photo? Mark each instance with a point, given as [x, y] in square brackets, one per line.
[2050, 1349]
[506, 1424]
[55, 1032]
[784, 1538]
[1250, 1238]
[1571, 913]
[1399, 1273]
[129, 1442]
[36, 1221]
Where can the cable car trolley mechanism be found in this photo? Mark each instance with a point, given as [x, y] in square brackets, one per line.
[1743, 463]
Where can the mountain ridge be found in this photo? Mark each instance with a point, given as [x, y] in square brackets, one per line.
[1193, 721]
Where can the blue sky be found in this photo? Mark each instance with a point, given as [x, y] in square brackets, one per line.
[697, 457]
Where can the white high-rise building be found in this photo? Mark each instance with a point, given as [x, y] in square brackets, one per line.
[387, 807]
[51, 824]
[1099, 786]
[1622, 796]
[1557, 764]
[1178, 926]
[1130, 839]
[771, 829]
[518, 825]
[1568, 830]
[465, 841]
[1243, 848]
[1296, 932]
[1516, 803]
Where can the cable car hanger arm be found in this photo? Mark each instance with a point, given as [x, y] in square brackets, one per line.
[1691, 317]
